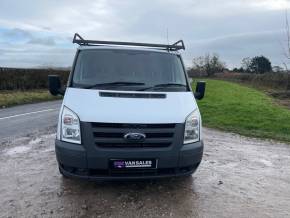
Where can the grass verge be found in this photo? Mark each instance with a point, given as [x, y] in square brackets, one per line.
[232, 107]
[11, 98]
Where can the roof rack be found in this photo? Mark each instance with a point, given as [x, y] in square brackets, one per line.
[174, 47]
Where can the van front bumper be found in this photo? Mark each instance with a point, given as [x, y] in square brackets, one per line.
[74, 161]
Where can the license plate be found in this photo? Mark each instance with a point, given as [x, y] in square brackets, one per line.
[134, 164]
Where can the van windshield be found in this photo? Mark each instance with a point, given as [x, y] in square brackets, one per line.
[129, 70]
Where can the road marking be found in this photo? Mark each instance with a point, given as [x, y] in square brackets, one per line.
[35, 112]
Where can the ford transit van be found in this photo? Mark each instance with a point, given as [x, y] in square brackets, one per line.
[128, 112]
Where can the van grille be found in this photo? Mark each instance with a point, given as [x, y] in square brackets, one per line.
[112, 135]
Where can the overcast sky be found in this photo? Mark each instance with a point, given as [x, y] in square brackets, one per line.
[36, 33]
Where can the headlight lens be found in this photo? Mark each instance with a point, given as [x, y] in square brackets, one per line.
[70, 127]
[192, 128]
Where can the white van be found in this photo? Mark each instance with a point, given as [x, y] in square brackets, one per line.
[128, 112]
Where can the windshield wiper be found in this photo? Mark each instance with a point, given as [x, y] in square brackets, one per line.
[114, 84]
[163, 85]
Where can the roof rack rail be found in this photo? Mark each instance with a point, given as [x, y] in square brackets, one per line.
[174, 47]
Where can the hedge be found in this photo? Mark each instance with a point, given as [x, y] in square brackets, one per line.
[26, 79]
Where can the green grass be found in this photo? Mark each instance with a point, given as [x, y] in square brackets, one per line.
[236, 108]
[11, 98]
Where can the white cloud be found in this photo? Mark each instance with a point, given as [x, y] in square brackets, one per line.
[205, 25]
[272, 4]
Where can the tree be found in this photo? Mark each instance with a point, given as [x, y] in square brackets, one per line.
[287, 52]
[236, 70]
[260, 64]
[208, 64]
[246, 62]
[198, 65]
[277, 69]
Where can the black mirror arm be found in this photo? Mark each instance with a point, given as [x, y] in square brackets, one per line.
[61, 91]
[197, 95]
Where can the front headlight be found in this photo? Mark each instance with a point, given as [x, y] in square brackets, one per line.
[192, 128]
[70, 127]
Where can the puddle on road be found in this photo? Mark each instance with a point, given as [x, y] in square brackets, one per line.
[35, 142]
[17, 150]
[267, 163]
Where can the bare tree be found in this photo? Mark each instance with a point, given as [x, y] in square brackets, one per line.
[198, 65]
[246, 62]
[288, 35]
[287, 50]
[277, 69]
[208, 65]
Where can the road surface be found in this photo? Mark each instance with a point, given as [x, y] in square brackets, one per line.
[238, 177]
[26, 119]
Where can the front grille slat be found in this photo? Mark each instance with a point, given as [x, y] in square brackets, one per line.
[121, 134]
[122, 140]
[133, 125]
[112, 135]
[133, 145]
[132, 129]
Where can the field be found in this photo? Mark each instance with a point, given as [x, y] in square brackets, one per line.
[232, 107]
[11, 98]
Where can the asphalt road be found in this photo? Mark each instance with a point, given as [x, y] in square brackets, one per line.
[26, 119]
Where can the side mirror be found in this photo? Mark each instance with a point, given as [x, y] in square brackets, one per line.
[190, 80]
[200, 90]
[54, 85]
